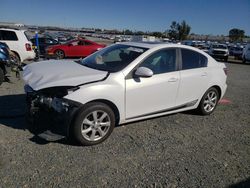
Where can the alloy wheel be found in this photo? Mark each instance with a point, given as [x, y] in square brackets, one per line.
[210, 101]
[60, 54]
[95, 125]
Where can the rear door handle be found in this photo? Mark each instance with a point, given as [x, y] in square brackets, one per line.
[173, 80]
[204, 74]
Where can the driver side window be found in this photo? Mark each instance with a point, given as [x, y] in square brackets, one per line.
[162, 61]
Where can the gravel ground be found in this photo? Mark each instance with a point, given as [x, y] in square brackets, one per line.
[180, 150]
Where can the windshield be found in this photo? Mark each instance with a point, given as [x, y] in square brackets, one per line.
[219, 46]
[113, 58]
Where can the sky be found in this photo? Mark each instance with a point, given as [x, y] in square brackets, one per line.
[214, 17]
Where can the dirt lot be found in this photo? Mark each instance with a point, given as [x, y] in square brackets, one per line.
[180, 150]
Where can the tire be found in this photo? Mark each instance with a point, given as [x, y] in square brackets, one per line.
[87, 128]
[208, 102]
[14, 58]
[1, 76]
[244, 59]
[59, 54]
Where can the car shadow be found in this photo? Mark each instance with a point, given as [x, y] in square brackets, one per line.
[242, 184]
[12, 111]
[13, 114]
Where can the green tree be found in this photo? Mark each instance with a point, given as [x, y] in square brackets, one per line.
[179, 31]
[173, 31]
[183, 30]
[157, 34]
[236, 34]
[128, 32]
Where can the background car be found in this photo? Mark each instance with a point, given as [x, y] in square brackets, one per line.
[123, 83]
[18, 43]
[246, 54]
[43, 42]
[4, 58]
[74, 48]
[219, 51]
[237, 52]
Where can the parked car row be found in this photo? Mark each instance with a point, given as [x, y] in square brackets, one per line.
[220, 50]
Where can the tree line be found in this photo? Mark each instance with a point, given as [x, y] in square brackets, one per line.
[181, 31]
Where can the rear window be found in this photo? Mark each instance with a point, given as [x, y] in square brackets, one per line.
[192, 59]
[8, 35]
[27, 35]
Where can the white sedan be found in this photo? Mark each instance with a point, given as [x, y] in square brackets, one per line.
[123, 83]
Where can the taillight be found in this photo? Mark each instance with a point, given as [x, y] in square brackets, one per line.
[28, 47]
[225, 71]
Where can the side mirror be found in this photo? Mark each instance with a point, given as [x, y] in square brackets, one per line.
[70, 44]
[144, 72]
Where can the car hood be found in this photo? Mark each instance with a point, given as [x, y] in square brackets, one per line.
[54, 73]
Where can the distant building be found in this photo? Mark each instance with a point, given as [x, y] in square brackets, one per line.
[11, 24]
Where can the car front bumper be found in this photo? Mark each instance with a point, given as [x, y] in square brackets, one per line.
[219, 56]
[53, 114]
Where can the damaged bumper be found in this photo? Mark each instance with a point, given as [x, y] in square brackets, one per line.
[58, 113]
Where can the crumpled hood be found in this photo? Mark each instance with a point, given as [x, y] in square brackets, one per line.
[55, 73]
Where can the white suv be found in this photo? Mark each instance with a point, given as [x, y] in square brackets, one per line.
[18, 43]
[219, 51]
[123, 83]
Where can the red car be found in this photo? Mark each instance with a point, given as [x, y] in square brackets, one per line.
[74, 48]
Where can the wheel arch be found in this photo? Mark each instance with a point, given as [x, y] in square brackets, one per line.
[17, 54]
[59, 49]
[111, 105]
[218, 89]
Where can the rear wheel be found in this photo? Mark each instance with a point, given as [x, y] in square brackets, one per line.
[1, 76]
[94, 124]
[60, 54]
[14, 58]
[208, 102]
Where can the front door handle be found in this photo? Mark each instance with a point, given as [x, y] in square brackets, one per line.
[173, 80]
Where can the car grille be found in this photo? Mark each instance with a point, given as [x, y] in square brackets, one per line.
[218, 52]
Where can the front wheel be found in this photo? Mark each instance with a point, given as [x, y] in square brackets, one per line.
[94, 124]
[208, 102]
[59, 54]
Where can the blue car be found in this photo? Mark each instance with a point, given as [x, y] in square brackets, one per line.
[4, 59]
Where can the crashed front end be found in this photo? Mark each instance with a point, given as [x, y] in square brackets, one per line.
[49, 110]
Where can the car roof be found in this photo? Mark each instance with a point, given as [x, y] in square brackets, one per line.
[12, 29]
[150, 45]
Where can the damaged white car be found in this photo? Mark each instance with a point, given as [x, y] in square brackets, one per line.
[123, 83]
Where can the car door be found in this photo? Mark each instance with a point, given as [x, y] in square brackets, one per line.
[72, 49]
[194, 75]
[148, 96]
[81, 49]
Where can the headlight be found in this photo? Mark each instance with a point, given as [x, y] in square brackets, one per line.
[59, 105]
[28, 89]
[71, 90]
